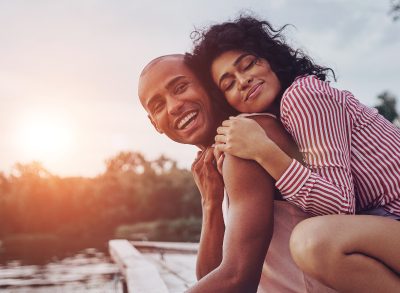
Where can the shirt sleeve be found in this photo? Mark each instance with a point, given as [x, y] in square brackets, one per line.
[317, 120]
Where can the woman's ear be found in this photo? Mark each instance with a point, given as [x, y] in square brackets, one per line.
[155, 124]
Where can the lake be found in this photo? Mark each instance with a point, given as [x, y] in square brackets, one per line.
[39, 267]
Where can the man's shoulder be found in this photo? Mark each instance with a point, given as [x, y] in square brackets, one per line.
[242, 175]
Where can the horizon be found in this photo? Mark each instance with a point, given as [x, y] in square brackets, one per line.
[68, 81]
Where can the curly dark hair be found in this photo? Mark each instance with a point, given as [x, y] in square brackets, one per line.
[254, 36]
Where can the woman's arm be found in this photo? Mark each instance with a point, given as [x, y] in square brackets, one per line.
[259, 138]
[248, 230]
[315, 115]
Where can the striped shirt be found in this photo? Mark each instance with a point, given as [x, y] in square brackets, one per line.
[351, 153]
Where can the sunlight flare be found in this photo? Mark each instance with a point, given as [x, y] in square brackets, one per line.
[45, 137]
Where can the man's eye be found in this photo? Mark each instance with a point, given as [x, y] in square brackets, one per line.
[180, 88]
[158, 107]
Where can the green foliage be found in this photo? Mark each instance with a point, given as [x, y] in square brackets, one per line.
[395, 9]
[131, 190]
[387, 106]
[182, 230]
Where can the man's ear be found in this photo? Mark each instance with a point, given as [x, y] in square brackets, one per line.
[155, 125]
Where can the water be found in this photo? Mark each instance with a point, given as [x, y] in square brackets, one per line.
[88, 270]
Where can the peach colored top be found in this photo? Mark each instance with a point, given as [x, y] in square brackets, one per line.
[279, 273]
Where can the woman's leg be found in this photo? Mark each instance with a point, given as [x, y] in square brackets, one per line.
[350, 253]
[280, 273]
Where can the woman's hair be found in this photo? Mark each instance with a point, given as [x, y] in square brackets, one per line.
[254, 36]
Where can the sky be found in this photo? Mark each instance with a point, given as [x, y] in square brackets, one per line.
[69, 68]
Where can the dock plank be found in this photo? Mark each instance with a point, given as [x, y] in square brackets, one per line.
[174, 262]
[177, 270]
[140, 274]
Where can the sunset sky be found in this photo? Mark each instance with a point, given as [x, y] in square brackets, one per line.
[69, 68]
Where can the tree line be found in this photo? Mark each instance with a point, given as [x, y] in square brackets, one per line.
[131, 190]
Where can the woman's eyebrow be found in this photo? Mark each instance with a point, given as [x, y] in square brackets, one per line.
[238, 59]
[235, 63]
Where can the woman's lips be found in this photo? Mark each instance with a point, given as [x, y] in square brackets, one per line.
[254, 91]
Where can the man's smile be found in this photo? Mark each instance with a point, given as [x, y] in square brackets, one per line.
[188, 117]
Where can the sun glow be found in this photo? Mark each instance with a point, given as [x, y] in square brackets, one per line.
[44, 138]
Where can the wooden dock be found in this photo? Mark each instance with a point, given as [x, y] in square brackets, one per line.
[155, 267]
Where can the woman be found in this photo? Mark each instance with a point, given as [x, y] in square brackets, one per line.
[350, 152]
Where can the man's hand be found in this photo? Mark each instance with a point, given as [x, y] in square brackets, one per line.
[207, 178]
[219, 157]
[211, 186]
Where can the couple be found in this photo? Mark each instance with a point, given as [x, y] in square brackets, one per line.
[307, 150]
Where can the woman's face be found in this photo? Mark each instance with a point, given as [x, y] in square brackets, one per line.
[248, 82]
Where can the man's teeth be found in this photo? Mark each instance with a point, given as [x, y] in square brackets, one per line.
[186, 119]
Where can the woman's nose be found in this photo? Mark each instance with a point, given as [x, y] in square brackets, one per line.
[244, 81]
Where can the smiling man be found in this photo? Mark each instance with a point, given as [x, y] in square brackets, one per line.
[232, 248]
[177, 104]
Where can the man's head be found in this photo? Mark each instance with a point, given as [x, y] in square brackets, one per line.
[176, 102]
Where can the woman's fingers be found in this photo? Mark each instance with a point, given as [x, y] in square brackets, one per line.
[219, 138]
[221, 148]
[227, 122]
[222, 130]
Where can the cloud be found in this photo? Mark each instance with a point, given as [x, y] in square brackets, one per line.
[86, 56]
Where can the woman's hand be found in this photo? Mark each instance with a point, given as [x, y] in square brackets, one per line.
[207, 178]
[241, 137]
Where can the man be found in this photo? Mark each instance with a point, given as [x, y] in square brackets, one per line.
[231, 253]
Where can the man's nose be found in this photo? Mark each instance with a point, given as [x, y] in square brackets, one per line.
[174, 105]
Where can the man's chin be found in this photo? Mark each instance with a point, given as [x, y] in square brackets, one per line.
[187, 140]
[198, 139]
[197, 133]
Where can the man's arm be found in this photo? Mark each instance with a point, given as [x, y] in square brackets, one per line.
[248, 230]
[211, 187]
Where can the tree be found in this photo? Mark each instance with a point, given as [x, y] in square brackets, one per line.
[4, 184]
[387, 106]
[395, 9]
[127, 162]
[31, 170]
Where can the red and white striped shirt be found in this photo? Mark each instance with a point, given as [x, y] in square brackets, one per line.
[351, 153]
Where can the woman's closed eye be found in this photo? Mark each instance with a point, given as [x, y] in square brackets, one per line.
[228, 85]
[249, 63]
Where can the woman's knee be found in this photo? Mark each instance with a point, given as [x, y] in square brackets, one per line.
[312, 245]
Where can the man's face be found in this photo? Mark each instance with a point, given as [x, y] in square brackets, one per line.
[176, 102]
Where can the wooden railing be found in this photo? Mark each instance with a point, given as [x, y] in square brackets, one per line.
[142, 274]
